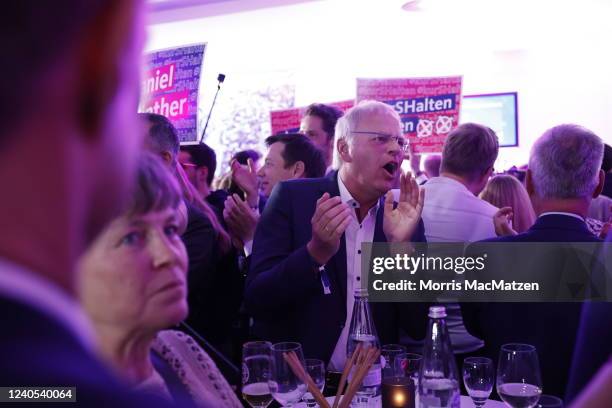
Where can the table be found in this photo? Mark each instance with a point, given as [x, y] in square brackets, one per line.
[466, 402]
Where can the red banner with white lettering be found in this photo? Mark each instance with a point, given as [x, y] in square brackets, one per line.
[288, 120]
[428, 107]
[170, 87]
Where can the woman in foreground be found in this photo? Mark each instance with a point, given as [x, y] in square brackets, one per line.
[133, 287]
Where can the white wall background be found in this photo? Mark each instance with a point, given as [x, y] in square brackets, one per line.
[556, 54]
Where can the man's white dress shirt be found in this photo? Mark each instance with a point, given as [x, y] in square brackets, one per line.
[451, 213]
[354, 235]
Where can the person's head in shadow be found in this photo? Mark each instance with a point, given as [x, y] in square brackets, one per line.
[70, 89]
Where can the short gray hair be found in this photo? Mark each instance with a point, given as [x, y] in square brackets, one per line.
[469, 150]
[351, 119]
[565, 162]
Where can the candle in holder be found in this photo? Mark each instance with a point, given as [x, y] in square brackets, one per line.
[398, 392]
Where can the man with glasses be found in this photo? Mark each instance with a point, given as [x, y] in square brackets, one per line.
[307, 250]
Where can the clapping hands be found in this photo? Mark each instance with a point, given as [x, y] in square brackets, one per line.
[400, 222]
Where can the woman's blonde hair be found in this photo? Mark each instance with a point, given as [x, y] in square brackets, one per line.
[506, 191]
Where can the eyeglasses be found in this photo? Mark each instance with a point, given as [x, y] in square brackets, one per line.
[382, 139]
[186, 165]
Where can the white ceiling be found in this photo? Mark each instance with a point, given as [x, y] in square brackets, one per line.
[165, 11]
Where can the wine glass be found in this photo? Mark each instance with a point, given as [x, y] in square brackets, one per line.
[519, 383]
[478, 376]
[256, 371]
[316, 370]
[549, 401]
[285, 386]
[389, 352]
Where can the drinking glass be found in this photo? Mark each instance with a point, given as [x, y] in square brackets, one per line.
[256, 370]
[519, 383]
[478, 377]
[407, 365]
[316, 370]
[389, 352]
[285, 386]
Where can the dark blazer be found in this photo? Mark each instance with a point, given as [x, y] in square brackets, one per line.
[200, 240]
[594, 342]
[550, 327]
[215, 283]
[283, 290]
[607, 189]
[36, 350]
[552, 228]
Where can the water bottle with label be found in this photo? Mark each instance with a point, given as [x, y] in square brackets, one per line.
[438, 375]
[362, 331]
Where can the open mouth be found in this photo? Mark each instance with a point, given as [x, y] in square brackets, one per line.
[391, 168]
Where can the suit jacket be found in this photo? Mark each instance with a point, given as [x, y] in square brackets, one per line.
[215, 283]
[607, 189]
[200, 240]
[550, 327]
[37, 350]
[594, 340]
[284, 291]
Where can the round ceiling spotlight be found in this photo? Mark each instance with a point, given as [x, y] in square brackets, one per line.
[412, 5]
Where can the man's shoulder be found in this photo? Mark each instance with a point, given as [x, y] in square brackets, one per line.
[302, 189]
[37, 350]
[442, 193]
[547, 236]
[306, 183]
[196, 217]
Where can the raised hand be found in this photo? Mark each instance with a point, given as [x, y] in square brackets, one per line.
[241, 220]
[400, 222]
[330, 220]
[501, 220]
[246, 179]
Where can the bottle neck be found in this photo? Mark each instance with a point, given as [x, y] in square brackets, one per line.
[361, 320]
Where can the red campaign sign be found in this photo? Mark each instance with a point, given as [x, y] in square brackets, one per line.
[428, 107]
[288, 120]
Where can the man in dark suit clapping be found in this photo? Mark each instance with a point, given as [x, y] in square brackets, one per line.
[307, 249]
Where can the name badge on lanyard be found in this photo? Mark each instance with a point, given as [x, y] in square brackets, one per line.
[325, 280]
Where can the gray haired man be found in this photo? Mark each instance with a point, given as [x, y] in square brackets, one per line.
[564, 176]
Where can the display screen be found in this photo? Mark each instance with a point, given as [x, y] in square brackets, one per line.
[497, 111]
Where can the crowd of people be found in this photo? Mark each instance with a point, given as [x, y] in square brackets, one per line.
[129, 271]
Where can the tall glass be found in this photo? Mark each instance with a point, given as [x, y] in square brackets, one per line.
[389, 353]
[408, 365]
[478, 377]
[286, 388]
[316, 369]
[519, 383]
[256, 371]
